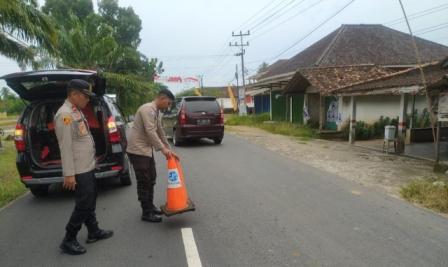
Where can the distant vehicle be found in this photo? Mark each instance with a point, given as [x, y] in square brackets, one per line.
[38, 156]
[194, 117]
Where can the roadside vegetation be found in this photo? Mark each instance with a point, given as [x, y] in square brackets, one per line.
[262, 121]
[10, 185]
[431, 193]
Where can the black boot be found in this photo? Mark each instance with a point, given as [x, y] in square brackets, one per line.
[99, 235]
[156, 210]
[151, 217]
[72, 247]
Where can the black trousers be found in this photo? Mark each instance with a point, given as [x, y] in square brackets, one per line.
[145, 172]
[85, 205]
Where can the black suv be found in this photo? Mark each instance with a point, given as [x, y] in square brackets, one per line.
[38, 156]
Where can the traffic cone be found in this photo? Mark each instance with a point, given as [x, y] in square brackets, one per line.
[177, 200]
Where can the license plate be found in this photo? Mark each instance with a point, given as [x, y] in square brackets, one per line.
[203, 122]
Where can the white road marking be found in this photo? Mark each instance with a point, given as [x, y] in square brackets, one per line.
[191, 250]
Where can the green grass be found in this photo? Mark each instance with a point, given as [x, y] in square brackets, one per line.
[7, 123]
[430, 193]
[10, 185]
[283, 128]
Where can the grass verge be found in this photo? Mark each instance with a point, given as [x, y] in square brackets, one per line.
[10, 185]
[284, 128]
[430, 193]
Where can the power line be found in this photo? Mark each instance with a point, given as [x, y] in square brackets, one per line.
[417, 14]
[431, 28]
[256, 13]
[271, 15]
[315, 29]
[286, 20]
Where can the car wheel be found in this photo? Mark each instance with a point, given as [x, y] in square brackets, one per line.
[217, 140]
[39, 190]
[176, 141]
[126, 177]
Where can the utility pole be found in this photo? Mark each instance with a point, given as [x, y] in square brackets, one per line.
[201, 81]
[242, 92]
[236, 77]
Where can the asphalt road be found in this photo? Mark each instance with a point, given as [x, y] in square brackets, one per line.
[254, 208]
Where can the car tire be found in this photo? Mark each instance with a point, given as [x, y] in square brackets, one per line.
[218, 140]
[176, 141]
[126, 177]
[39, 190]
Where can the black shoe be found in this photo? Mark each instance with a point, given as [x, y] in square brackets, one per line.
[99, 235]
[72, 247]
[151, 217]
[156, 210]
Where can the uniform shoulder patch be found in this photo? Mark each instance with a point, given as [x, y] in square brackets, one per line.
[67, 119]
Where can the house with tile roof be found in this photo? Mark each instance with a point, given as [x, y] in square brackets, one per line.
[301, 88]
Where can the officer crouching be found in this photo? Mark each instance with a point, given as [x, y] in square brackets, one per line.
[78, 163]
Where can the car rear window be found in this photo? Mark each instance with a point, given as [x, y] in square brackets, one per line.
[201, 105]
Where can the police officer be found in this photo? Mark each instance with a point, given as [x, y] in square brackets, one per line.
[147, 135]
[78, 163]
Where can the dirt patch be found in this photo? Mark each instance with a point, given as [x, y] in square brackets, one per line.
[364, 166]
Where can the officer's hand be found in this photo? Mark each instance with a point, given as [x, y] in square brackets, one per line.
[69, 183]
[175, 155]
[168, 153]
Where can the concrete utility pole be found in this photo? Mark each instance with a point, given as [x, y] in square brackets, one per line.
[242, 92]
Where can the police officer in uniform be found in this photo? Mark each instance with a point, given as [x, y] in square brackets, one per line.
[147, 135]
[78, 163]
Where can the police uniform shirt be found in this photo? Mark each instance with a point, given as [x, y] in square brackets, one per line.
[147, 132]
[75, 141]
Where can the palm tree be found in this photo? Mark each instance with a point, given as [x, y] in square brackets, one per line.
[23, 28]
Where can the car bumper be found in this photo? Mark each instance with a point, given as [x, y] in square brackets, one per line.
[55, 180]
[200, 132]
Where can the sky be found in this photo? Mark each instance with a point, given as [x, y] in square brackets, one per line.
[192, 37]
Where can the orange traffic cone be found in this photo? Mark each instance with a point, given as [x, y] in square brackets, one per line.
[177, 200]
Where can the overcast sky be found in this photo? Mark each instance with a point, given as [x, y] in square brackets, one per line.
[191, 37]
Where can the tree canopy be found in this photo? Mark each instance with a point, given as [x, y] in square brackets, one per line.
[23, 27]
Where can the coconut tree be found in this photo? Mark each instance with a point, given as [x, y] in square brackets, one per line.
[23, 28]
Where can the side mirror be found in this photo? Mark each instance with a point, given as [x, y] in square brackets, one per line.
[131, 118]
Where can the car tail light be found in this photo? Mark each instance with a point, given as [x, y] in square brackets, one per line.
[116, 168]
[182, 117]
[19, 137]
[114, 134]
[221, 117]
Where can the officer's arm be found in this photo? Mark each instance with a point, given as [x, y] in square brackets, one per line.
[162, 134]
[63, 128]
[150, 124]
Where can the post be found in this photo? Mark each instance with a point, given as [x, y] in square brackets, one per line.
[340, 106]
[270, 103]
[305, 109]
[352, 134]
[411, 123]
[321, 112]
[438, 144]
[290, 108]
[402, 123]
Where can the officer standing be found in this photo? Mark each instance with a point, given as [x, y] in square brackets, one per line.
[78, 163]
[146, 135]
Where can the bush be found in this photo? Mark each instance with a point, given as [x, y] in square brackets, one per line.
[430, 193]
[283, 128]
[247, 120]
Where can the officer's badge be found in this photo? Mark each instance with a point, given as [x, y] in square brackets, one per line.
[67, 120]
[82, 129]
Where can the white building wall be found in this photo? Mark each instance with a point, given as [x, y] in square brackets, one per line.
[370, 108]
